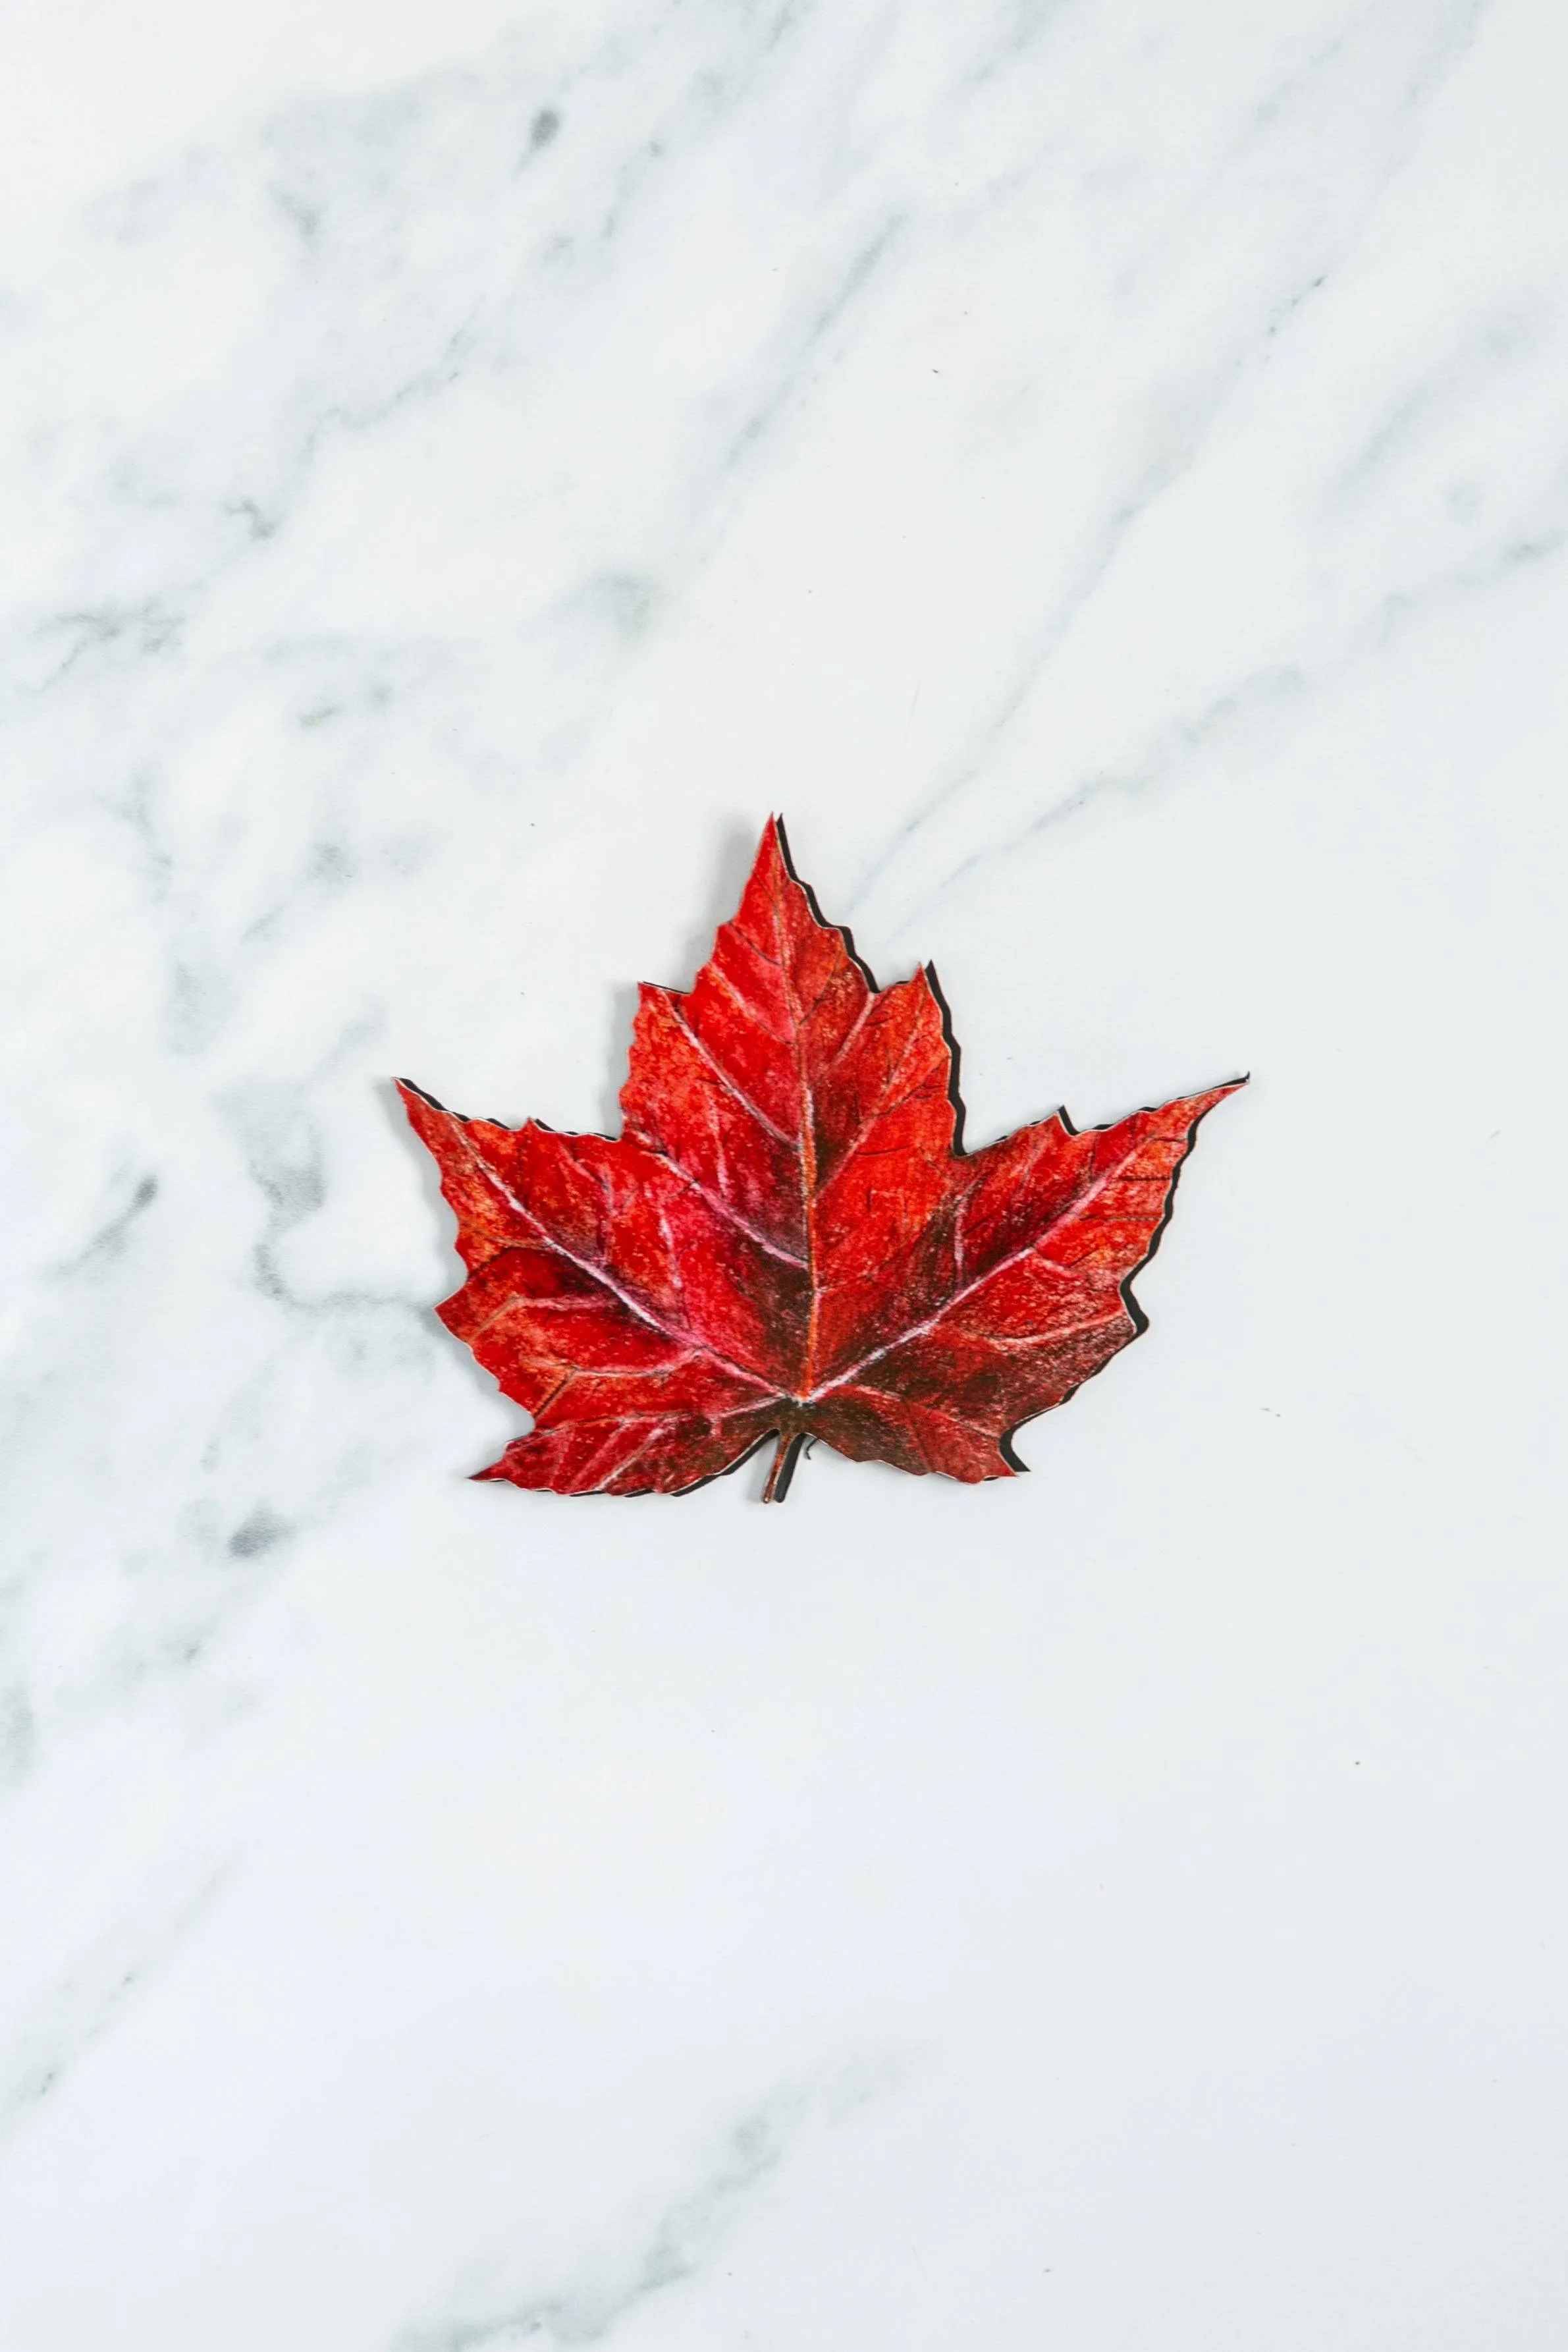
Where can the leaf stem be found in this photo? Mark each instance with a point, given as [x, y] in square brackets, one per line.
[770, 1492]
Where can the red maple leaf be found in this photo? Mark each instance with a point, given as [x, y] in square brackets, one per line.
[788, 1240]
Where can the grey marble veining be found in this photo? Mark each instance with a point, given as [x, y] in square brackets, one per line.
[1101, 472]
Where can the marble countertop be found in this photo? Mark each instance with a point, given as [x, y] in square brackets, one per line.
[1101, 472]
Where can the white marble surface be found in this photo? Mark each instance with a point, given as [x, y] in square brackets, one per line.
[1102, 471]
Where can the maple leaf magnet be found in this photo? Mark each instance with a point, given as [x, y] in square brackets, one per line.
[786, 1240]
